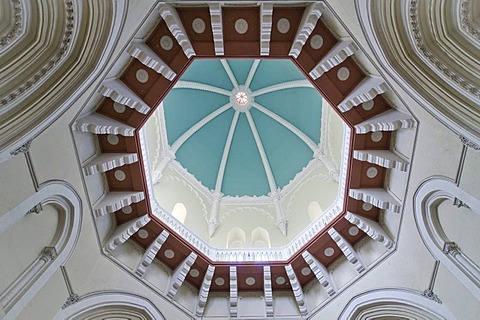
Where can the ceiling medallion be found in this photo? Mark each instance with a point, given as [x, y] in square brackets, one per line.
[283, 25]
[343, 73]
[316, 42]
[198, 25]
[220, 281]
[306, 271]
[241, 98]
[113, 139]
[169, 254]
[250, 281]
[241, 26]
[194, 273]
[119, 108]
[376, 136]
[166, 43]
[142, 75]
[329, 252]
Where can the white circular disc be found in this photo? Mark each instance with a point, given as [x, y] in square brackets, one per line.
[198, 25]
[280, 280]
[329, 252]
[372, 172]
[241, 26]
[112, 139]
[343, 73]
[316, 42]
[142, 75]
[119, 108]
[120, 175]
[169, 254]
[166, 43]
[194, 273]
[306, 271]
[367, 106]
[220, 281]
[353, 231]
[127, 209]
[376, 136]
[367, 206]
[283, 25]
[142, 233]
[250, 281]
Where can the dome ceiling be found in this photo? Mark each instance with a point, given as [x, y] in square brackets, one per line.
[230, 123]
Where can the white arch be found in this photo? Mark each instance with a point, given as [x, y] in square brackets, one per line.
[260, 236]
[236, 238]
[105, 300]
[33, 278]
[394, 302]
[426, 200]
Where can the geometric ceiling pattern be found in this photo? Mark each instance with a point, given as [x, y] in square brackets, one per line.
[238, 126]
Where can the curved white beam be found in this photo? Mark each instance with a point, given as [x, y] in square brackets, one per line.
[309, 142]
[201, 86]
[252, 71]
[226, 151]
[229, 72]
[263, 155]
[197, 126]
[282, 86]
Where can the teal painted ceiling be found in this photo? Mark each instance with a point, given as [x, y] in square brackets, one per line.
[277, 131]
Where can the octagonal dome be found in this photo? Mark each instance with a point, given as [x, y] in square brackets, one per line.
[232, 125]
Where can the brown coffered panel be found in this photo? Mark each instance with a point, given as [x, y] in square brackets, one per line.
[238, 44]
[281, 43]
[202, 42]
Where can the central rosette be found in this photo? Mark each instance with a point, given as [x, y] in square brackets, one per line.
[241, 98]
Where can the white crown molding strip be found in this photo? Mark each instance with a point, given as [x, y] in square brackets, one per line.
[229, 72]
[378, 197]
[322, 274]
[150, 253]
[341, 51]
[372, 228]
[267, 291]
[174, 24]
[282, 86]
[389, 120]
[179, 275]
[197, 126]
[114, 201]
[217, 27]
[143, 53]
[233, 292]
[204, 291]
[309, 142]
[252, 72]
[118, 91]
[352, 256]
[107, 161]
[100, 124]
[366, 90]
[266, 10]
[384, 158]
[123, 232]
[200, 86]
[309, 20]
[226, 151]
[297, 290]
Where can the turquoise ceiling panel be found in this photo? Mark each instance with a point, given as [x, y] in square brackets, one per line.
[304, 113]
[285, 151]
[270, 72]
[244, 174]
[240, 68]
[208, 71]
[202, 153]
[185, 107]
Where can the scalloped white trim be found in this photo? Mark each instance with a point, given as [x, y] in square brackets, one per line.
[309, 21]
[169, 14]
[267, 291]
[341, 51]
[378, 197]
[389, 120]
[100, 124]
[352, 256]
[204, 291]
[365, 91]
[297, 290]
[116, 200]
[107, 161]
[384, 158]
[139, 50]
[372, 228]
[151, 252]
[118, 91]
[178, 277]
[123, 232]
[217, 27]
[266, 10]
[320, 272]
[233, 292]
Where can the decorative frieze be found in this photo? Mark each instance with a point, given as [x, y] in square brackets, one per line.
[217, 27]
[178, 277]
[139, 50]
[100, 124]
[233, 292]
[119, 92]
[389, 120]
[321, 273]
[266, 9]
[372, 228]
[365, 91]
[378, 197]
[204, 291]
[151, 253]
[341, 51]
[349, 252]
[116, 200]
[384, 158]
[174, 24]
[297, 290]
[308, 23]
[108, 161]
[267, 291]
[123, 232]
